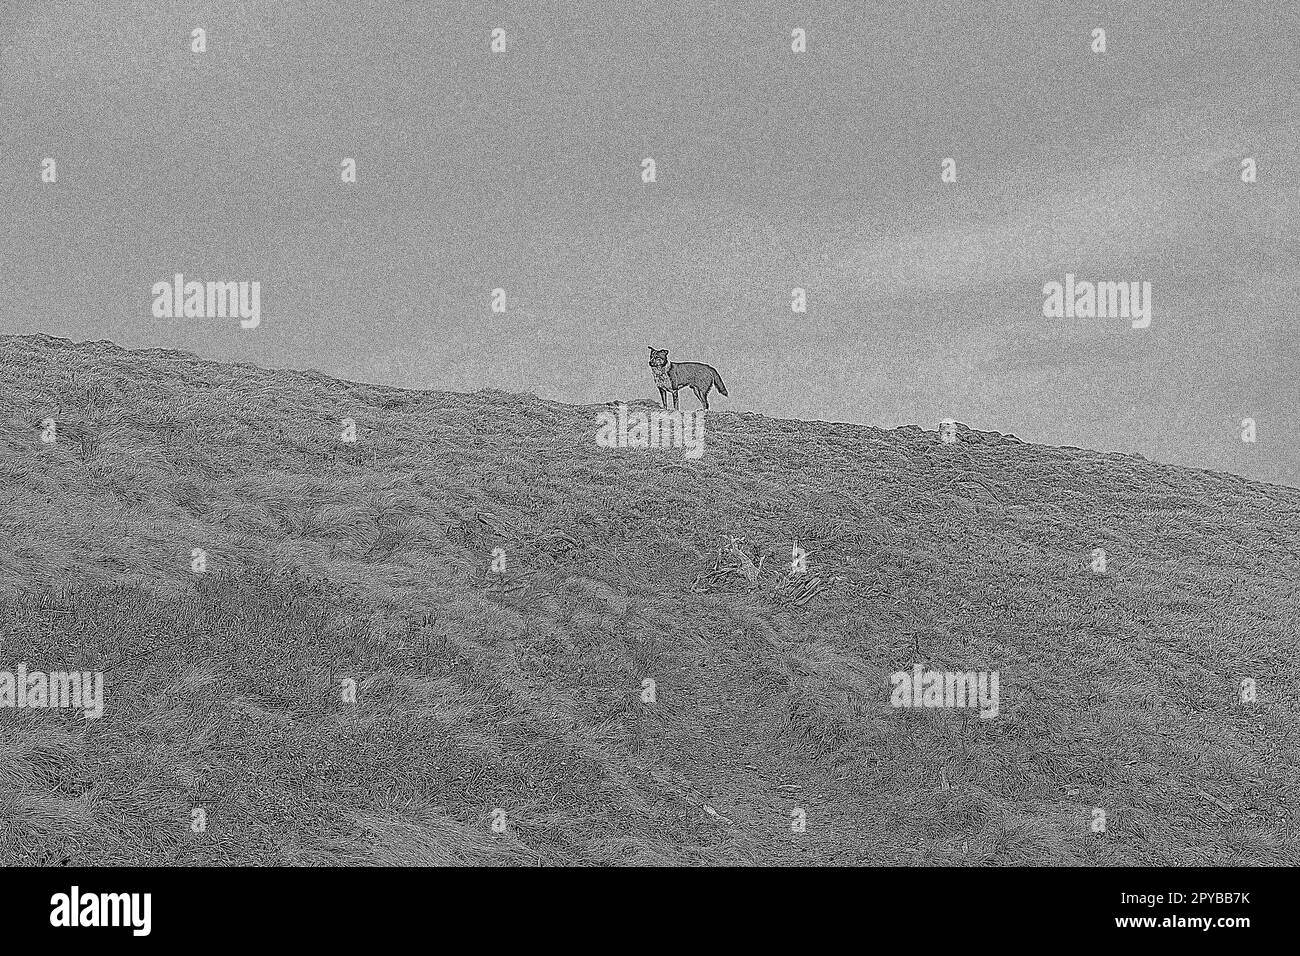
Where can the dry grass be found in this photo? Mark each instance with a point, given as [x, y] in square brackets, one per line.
[522, 691]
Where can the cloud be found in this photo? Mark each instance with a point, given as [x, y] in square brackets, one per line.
[1164, 188]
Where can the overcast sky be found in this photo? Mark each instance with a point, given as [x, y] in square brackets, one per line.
[821, 170]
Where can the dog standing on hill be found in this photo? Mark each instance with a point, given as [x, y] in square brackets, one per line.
[671, 376]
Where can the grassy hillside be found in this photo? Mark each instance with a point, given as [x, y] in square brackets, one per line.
[522, 691]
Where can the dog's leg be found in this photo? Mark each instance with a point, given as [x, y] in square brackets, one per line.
[675, 391]
[663, 397]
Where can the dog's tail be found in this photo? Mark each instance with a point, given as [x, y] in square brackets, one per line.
[717, 380]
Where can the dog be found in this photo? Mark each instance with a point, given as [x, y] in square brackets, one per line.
[671, 376]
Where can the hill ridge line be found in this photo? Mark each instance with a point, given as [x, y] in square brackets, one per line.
[100, 346]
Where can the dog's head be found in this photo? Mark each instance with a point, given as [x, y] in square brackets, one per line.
[658, 358]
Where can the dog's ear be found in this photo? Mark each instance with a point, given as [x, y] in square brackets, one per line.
[650, 347]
